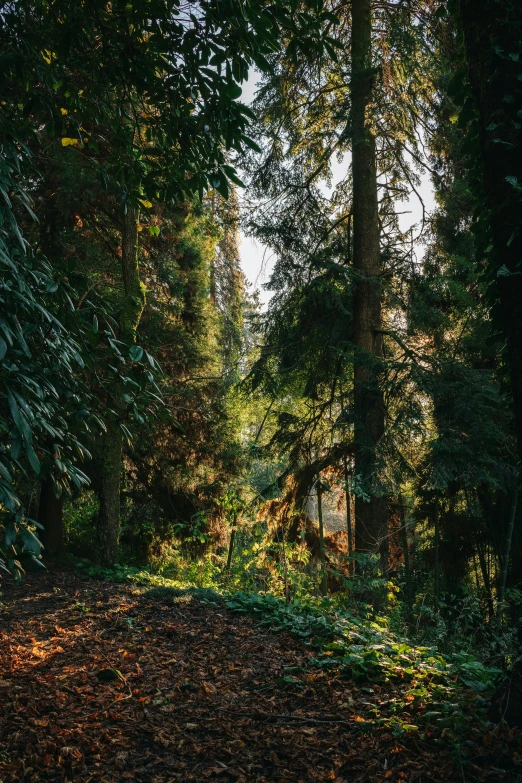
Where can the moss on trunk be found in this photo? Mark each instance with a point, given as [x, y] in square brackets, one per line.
[112, 447]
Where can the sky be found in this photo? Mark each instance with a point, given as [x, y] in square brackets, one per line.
[257, 261]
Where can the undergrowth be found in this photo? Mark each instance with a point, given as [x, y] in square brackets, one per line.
[352, 644]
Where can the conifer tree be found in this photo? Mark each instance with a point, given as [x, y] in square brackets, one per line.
[492, 37]
[369, 413]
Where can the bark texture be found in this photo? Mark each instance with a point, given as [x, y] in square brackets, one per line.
[370, 517]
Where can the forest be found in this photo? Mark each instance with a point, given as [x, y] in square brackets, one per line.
[262, 529]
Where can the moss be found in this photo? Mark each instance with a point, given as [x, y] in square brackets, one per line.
[130, 314]
[170, 594]
[164, 594]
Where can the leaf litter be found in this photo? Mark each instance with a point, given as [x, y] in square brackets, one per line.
[103, 683]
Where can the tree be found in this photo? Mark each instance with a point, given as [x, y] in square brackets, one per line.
[42, 400]
[110, 454]
[228, 282]
[312, 112]
[175, 469]
[149, 95]
[369, 411]
[452, 365]
[492, 36]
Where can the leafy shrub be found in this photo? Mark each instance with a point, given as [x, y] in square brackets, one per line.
[80, 515]
[364, 648]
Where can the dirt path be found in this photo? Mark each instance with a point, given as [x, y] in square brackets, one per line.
[200, 695]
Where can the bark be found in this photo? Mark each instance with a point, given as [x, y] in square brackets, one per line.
[324, 582]
[486, 24]
[231, 547]
[109, 493]
[485, 575]
[507, 552]
[436, 526]
[50, 515]
[348, 515]
[111, 452]
[405, 551]
[370, 518]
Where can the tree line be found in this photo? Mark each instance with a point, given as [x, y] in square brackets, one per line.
[138, 372]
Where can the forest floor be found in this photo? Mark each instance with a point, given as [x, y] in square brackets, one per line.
[197, 694]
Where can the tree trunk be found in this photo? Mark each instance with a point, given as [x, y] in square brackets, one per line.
[405, 551]
[437, 564]
[348, 516]
[492, 32]
[112, 445]
[324, 582]
[507, 551]
[485, 575]
[109, 493]
[370, 517]
[231, 546]
[50, 515]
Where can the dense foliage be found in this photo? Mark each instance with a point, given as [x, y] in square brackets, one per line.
[359, 439]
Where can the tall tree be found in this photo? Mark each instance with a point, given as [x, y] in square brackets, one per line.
[110, 452]
[493, 42]
[312, 112]
[228, 282]
[369, 412]
[174, 473]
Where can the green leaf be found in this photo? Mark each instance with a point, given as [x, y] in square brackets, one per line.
[31, 542]
[16, 448]
[126, 434]
[234, 90]
[20, 421]
[10, 534]
[231, 174]
[251, 143]
[221, 185]
[4, 471]
[503, 271]
[247, 111]
[136, 353]
[514, 181]
[32, 457]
